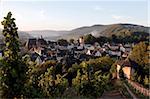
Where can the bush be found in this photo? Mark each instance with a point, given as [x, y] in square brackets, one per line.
[103, 63]
[52, 85]
[92, 83]
[140, 55]
[45, 81]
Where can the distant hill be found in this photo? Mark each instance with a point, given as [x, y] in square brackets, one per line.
[108, 30]
[124, 30]
[95, 30]
[23, 36]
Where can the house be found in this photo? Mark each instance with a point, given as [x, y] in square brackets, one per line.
[41, 42]
[114, 53]
[80, 47]
[87, 46]
[106, 46]
[31, 43]
[38, 60]
[70, 46]
[77, 50]
[1, 49]
[127, 66]
[1, 54]
[81, 40]
[52, 44]
[38, 50]
[38, 46]
[89, 52]
[62, 52]
[33, 56]
[114, 47]
[59, 58]
[122, 49]
[97, 45]
[97, 53]
[128, 47]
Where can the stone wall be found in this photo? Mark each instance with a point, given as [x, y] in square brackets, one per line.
[140, 88]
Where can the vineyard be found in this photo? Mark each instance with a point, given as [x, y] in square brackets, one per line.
[20, 77]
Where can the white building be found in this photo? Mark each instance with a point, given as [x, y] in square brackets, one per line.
[1, 55]
[98, 54]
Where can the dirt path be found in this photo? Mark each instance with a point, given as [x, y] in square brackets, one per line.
[115, 94]
[131, 93]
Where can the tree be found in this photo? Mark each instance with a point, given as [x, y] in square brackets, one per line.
[140, 55]
[114, 38]
[71, 41]
[11, 38]
[62, 42]
[12, 68]
[102, 39]
[89, 39]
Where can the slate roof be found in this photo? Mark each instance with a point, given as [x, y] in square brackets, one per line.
[127, 63]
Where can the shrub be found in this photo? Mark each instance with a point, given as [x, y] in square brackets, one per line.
[52, 85]
[140, 55]
[89, 83]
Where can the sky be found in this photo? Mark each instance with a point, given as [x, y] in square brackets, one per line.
[67, 15]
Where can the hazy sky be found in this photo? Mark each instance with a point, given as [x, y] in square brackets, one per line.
[66, 15]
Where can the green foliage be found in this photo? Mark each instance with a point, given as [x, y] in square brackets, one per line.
[62, 42]
[90, 85]
[140, 56]
[103, 63]
[139, 79]
[92, 77]
[45, 80]
[114, 38]
[71, 41]
[124, 37]
[146, 81]
[11, 38]
[102, 39]
[22, 78]
[89, 39]
[52, 85]
[113, 68]
[12, 74]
